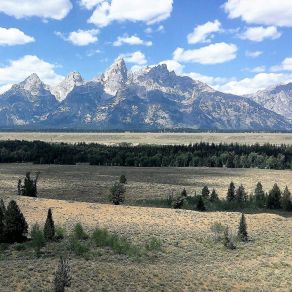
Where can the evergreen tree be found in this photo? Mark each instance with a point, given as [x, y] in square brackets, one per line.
[286, 202]
[117, 193]
[241, 195]
[2, 206]
[259, 195]
[62, 276]
[29, 187]
[15, 224]
[123, 179]
[184, 193]
[274, 198]
[200, 204]
[205, 192]
[231, 192]
[214, 196]
[49, 228]
[242, 229]
[2, 226]
[178, 202]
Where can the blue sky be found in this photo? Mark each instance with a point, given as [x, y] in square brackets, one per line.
[237, 46]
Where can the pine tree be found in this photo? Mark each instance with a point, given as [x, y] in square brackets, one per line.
[231, 192]
[214, 196]
[242, 229]
[184, 193]
[29, 187]
[123, 179]
[241, 195]
[62, 276]
[205, 192]
[274, 198]
[2, 206]
[2, 226]
[49, 228]
[15, 224]
[117, 193]
[259, 195]
[200, 204]
[286, 202]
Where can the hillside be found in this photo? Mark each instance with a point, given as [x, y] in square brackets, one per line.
[190, 259]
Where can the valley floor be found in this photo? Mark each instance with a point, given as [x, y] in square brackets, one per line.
[190, 259]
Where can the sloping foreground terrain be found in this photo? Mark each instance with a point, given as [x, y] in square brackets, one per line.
[190, 260]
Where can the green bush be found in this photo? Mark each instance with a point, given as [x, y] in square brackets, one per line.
[60, 233]
[77, 247]
[79, 232]
[37, 239]
[154, 244]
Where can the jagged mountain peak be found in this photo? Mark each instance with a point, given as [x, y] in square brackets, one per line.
[31, 84]
[115, 77]
[74, 76]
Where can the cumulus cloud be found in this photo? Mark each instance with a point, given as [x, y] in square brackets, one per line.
[253, 84]
[131, 40]
[89, 4]
[212, 54]
[17, 70]
[286, 65]
[277, 12]
[137, 58]
[14, 36]
[203, 33]
[150, 11]
[54, 9]
[253, 54]
[80, 37]
[259, 33]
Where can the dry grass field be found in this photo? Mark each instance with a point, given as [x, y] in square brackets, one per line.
[92, 183]
[152, 138]
[190, 259]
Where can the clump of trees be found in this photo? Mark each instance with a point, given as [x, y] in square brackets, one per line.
[29, 186]
[199, 154]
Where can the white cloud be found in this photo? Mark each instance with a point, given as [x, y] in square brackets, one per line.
[259, 33]
[55, 9]
[80, 37]
[211, 54]
[286, 65]
[137, 58]
[260, 81]
[17, 70]
[253, 54]
[89, 4]
[258, 69]
[203, 33]
[265, 12]
[150, 11]
[13, 36]
[131, 40]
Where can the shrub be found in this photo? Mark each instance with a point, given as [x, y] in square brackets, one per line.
[117, 193]
[15, 229]
[228, 239]
[218, 231]
[37, 239]
[77, 247]
[100, 237]
[154, 244]
[79, 232]
[59, 233]
[49, 229]
[62, 276]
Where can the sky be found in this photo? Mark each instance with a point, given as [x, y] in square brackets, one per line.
[236, 46]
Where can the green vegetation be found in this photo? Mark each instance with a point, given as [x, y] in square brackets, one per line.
[117, 193]
[49, 228]
[62, 276]
[199, 154]
[37, 239]
[29, 186]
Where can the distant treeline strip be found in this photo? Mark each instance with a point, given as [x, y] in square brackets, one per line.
[199, 154]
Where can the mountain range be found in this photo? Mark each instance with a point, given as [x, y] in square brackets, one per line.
[150, 98]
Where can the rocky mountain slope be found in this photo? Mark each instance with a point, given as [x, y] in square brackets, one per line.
[148, 99]
[277, 99]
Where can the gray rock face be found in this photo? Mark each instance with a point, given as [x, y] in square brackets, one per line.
[277, 99]
[148, 99]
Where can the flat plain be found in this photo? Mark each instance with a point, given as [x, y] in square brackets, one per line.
[92, 183]
[151, 138]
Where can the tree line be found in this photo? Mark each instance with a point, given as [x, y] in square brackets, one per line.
[194, 155]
